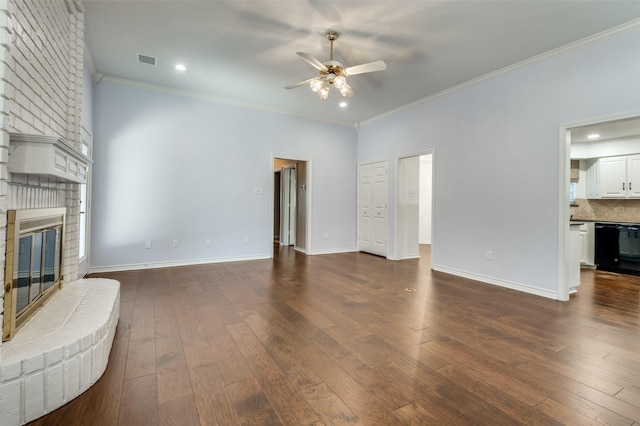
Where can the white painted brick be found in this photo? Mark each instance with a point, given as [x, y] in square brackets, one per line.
[54, 356]
[86, 342]
[54, 396]
[71, 378]
[85, 370]
[33, 363]
[34, 388]
[72, 349]
[10, 397]
[10, 371]
[97, 364]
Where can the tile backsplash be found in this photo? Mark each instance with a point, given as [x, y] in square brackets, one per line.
[611, 210]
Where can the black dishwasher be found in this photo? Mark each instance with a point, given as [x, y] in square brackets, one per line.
[618, 247]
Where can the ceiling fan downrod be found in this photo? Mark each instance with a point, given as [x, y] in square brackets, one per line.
[332, 36]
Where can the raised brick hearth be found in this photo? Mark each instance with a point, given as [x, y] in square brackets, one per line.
[60, 352]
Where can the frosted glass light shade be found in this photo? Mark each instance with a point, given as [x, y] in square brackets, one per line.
[347, 91]
[324, 93]
[340, 81]
[316, 84]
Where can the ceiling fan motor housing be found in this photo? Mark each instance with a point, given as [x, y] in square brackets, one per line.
[333, 69]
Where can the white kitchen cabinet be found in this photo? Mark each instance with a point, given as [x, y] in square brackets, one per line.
[619, 177]
[587, 240]
[633, 176]
[593, 179]
[575, 249]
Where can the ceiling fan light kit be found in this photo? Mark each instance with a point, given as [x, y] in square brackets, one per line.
[333, 72]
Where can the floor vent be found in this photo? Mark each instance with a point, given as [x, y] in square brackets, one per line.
[144, 59]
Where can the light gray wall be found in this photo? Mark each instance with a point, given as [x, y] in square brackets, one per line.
[87, 97]
[496, 158]
[426, 191]
[301, 206]
[172, 167]
[408, 208]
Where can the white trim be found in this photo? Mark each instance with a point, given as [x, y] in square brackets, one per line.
[564, 167]
[309, 212]
[603, 119]
[309, 191]
[218, 99]
[190, 262]
[631, 25]
[300, 249]
[431, 152]
[498, 282]
[407, 257]
[333, 251]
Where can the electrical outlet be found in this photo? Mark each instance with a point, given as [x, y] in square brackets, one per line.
[489, 255]
[326, 235]
[176, 243]
[147, 245]
[246, 239]
[208, 242]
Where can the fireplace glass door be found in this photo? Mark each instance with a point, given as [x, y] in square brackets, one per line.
[38, 265]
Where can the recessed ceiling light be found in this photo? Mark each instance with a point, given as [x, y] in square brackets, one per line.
[181, 67]
[343, 104]
[593, 136]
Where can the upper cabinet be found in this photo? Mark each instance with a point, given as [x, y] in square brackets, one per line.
[614, 177]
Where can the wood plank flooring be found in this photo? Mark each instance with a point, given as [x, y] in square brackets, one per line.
[338, 339]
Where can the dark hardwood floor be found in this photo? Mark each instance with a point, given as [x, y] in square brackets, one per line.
[343, 339]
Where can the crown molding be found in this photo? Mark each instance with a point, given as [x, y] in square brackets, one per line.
[212, 98]
[629, 26]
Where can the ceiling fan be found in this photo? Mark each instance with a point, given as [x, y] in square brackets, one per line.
[333, 72]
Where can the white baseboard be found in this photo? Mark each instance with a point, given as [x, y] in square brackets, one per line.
[407, 256]
[333, 251]
[155, 265]
[495, 281]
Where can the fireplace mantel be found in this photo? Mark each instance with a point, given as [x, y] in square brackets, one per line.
[51, 156]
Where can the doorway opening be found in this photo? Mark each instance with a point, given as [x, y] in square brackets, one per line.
[593, 155]
[291, 203]
[414, 206]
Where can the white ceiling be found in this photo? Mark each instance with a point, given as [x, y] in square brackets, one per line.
[608, 130]
[244, 51]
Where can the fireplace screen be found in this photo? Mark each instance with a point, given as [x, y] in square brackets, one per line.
[33, 263]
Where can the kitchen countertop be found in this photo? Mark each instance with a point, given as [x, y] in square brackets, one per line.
[603, 221]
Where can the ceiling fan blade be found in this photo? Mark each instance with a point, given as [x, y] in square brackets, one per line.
[311, 60]
[368, 67]
[298, 84]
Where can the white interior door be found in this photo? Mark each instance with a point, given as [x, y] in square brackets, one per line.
[288, 206]
[365, 209]
[372, 210]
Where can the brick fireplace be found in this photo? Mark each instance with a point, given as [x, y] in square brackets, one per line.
[41, 54]
[55, 356]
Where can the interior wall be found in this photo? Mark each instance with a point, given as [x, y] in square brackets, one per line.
[87, 98]
[426, 191]
[172, 167]
[301, 206]
[493, 138]
[408, 208]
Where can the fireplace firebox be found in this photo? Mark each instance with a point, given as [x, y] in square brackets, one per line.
[33, 268]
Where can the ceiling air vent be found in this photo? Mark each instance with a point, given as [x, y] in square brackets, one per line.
[144, 59]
